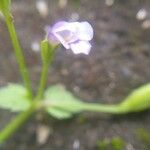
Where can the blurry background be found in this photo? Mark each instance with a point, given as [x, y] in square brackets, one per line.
[118, 62]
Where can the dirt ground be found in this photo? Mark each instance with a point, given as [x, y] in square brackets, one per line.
[119, 62]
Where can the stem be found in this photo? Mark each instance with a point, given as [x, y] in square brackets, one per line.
[47, 54]
[43, 79]
[113, 109]
[18, 53]
[16, 123]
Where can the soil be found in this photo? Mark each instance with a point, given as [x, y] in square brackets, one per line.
[118, 63]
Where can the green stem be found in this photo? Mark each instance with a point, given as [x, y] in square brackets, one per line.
[113, 109]
[13, 126]
[43, 79]
[18, 53]
[47, 55]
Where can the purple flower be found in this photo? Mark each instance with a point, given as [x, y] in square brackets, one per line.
[72, 35]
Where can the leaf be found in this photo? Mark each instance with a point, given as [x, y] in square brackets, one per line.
[138, 100]
[59, 114]
[61, 103]
[14, 97]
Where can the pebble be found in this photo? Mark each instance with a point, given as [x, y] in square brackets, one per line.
[74, 17]
[109, 2]
[141, 14]
[129, 147]
[42, 134]
[146, 24]
[35, 46]
[76, 144]
[42, 8]
[62, 3]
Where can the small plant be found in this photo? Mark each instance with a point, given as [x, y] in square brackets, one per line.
[116, 143]
[56, 100]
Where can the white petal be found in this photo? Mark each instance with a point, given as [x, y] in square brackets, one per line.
[81, 47]
[64, 32]
[62, 40]
[85, 31]
[69, 33]
[62, 25]
[59, 26]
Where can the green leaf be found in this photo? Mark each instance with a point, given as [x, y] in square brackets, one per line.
[138, 100]
[14, 97]
[59, 114]
[61, 103]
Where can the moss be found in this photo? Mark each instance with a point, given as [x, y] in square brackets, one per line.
[103, 144]
[116, 143]
[144, 137]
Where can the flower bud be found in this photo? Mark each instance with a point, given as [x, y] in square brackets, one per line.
[47, 51]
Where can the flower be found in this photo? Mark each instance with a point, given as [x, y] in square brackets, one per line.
[72, 35]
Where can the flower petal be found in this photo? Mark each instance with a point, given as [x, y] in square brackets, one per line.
[85, 31]
[81, 47]
[74, 35]
[59, 26]
[51, 37]
[62, 40]
[64, 32]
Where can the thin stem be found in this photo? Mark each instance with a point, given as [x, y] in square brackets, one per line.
[43, 79]
[113, 109]
[18, 53]
[47, 55]
[13, 126]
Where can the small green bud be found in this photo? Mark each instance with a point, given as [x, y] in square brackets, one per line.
[47, 51]
[138, 100]
[5, 6]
